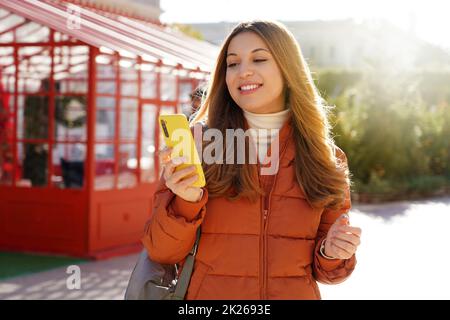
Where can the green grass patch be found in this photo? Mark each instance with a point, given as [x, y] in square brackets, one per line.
[16, 264]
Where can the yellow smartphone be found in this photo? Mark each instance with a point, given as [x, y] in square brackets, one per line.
[177, 135]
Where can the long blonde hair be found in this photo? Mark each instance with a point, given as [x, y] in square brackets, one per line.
[320, 173]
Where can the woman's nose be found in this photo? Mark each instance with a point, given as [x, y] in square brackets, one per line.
[245, 72]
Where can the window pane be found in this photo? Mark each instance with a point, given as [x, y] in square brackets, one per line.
[105, 118]
[127, 166]
[128, 124]
[190, 100]
[148, 85]
[107, 70]
[70, 118]
[34, 69]
[129, 88]
[71, 69]
[74, 85]
[32, 32]
[131, 104]
[6, 114]
[167, 110]
[105, 125]
[148, 143]
[128, 73]
[33, 164]
[106, 87]
[128, 119]
[8, 68]
[168, 87]
[104, 166]
[106, 103]
[69, 165]
[106, 74]
[22, 31]
[129, 85]
[32, 116]
[186, 90]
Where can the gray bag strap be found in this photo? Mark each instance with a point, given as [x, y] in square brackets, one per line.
[185, 276]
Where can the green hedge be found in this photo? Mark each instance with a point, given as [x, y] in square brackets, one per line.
[394, 128]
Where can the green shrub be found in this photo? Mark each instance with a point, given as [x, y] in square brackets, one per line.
[394, 128]
[427, 184]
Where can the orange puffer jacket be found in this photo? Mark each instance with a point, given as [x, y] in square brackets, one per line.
[263, 250]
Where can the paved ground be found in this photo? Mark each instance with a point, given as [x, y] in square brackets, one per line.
[404, 255]
[404, 252]
[99, 280]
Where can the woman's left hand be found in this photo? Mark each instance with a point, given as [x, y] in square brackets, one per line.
[342, 239]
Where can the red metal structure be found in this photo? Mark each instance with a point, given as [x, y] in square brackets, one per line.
[79, 98]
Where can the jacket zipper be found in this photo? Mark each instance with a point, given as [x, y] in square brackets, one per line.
[266, 206]
[261, 246]
[265, 213]
[263, 293]
[262, 239]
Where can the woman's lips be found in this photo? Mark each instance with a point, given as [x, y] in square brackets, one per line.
[249, 91]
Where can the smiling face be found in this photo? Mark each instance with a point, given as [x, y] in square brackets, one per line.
[253, 78]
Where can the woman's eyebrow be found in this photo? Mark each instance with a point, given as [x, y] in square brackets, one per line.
[259, 49]
[253, 51]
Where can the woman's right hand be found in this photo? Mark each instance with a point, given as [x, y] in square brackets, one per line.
[177, 181]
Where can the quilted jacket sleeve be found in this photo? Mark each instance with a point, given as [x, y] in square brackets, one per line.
[332, 271]
[170, 233]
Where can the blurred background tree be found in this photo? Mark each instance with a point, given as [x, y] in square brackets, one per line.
[394, 128]
[188, 30]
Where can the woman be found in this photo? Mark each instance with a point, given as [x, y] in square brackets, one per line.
[264, 236]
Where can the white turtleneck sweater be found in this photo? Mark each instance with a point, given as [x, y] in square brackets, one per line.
[272, 122]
